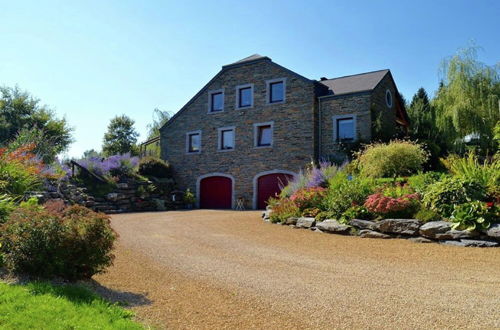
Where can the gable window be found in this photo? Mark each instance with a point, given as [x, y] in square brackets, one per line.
[244, 96]
[276, 91]
[226, 138]
[216, 101]
[344, 128]
[263, 134]
[193, 142]
[388, 98]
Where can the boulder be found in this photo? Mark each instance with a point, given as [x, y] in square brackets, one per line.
[122, 185]
[419, 240]
[367, 233]
[291, 221]
[399, 226]
[479, 243]
[304, 222]
[431, 229]
[333, 226]
[456, 234]
[363, 224]
[494, 231]
[454, 243]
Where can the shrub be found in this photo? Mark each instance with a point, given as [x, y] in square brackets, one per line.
[74, 244]
[312, 177]
[356, 212]
[308, 197]
[283, 210]
[397, 158]
[6, 207]
[311, 212]
[344, 192]
[156, 167]
[469, 168]
[115, 165]
[390, 207]
[443, 195]
[474, 215]
[426, 215]
[421, 181]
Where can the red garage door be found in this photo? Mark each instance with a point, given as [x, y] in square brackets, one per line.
[216, 192]
[270, 185]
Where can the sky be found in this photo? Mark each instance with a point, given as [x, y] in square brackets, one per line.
[92, 60]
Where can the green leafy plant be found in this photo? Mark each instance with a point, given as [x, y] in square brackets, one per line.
[189, 198]
[283, 210]
[311, 212]
[472, 215]
[426, 215]
[356, 212]
[6, 207]
[155, 167]
[73, 244]
[443, 195]
[396, 158]
[421, 181]
[307, 198]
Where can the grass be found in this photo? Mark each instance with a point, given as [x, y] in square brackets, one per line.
[40, 305]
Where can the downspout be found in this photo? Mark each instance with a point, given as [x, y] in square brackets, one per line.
[319, 129]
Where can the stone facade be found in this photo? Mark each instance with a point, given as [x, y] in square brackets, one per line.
[293, 125]
[302, 126]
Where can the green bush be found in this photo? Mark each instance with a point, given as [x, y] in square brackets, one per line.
[156, 167]
[6, 207]
[343, 192]
[356, 212]
[421, 181]
[396, 158]
[426, 215]
[473, 215]
[283, 210]
[74, 244]
[443, 195]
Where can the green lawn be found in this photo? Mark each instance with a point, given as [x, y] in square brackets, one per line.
[41, 305]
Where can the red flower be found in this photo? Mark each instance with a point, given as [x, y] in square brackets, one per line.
[490, 204]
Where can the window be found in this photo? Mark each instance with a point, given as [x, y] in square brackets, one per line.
[276, 91]
[263, 134]
[344, 128]
[193, 142]
[216, 101]
[388, 98]
[244, 96]
[226, 138]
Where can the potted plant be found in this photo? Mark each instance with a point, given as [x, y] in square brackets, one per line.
[189, 199]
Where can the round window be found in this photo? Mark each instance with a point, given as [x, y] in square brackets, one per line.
[388, 98]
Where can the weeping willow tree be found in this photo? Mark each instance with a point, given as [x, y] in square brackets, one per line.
[468, 101]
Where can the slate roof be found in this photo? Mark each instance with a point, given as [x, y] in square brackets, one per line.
[251, 58]
[353, 84]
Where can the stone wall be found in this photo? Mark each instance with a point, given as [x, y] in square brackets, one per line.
[379, 110]
[411, 229]
[293, 139]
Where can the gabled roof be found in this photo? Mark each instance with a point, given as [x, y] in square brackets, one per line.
[247, 60]
[362, 82]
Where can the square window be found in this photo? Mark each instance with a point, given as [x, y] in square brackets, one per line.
[216, 102]
[245, 97]
[276, 92]
[194, 142]
[346, 130]
[226, 139]
[264, 135]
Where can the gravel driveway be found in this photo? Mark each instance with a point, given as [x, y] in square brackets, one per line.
[229, 269]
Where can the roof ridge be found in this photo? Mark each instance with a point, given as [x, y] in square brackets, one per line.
[357, 74]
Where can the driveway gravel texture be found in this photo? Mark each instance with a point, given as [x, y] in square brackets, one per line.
[211, 269]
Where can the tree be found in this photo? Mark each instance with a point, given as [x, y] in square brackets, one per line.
[468, 102]
[91, 154]
[121, 136]
[159, 119]
[22, 118]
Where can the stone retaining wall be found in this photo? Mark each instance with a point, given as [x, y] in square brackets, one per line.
[411, 229]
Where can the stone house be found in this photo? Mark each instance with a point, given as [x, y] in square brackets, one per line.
[256, 124]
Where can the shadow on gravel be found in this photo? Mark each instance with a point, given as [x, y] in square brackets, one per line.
[124, 298]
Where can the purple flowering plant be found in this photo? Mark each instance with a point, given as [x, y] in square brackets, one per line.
[115, 165]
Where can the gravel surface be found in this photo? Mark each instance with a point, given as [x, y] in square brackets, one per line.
[229, 269]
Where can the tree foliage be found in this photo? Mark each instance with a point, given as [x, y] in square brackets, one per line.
[468, 102]
[22, 118]
[159, 119]
[121, 136]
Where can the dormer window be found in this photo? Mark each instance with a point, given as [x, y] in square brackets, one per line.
[216, 101]
[244, 96]
[276, 89]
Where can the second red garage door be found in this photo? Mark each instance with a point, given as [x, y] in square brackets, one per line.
[216, 192]
[269, 185]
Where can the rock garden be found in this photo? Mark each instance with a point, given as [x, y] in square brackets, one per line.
[385, 193]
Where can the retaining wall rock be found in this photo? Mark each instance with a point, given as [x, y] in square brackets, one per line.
[333, 226]
[399, 226]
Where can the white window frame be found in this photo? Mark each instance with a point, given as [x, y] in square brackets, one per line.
[187, 143]
[237, 106]
[212, 92]
[219, 138]
[268, 90]
[335, 133]
[256, 134]
[392, 99]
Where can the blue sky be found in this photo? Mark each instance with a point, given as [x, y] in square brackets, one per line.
[92, 60]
